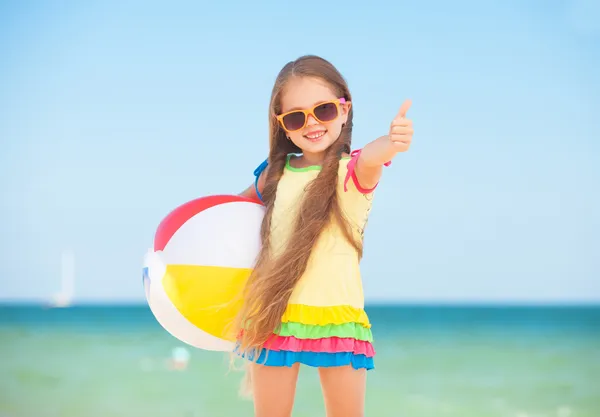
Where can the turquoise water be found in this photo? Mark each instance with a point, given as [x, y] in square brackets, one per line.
[431, 361]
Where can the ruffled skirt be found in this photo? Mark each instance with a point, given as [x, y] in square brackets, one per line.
[320, 337]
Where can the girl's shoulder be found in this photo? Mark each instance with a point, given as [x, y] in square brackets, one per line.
[260, 174]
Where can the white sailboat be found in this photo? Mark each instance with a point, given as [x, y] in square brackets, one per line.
[64, 298]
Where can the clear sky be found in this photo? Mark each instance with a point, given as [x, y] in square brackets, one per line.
[113, 113]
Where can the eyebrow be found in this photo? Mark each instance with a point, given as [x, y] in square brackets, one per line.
[315, 104]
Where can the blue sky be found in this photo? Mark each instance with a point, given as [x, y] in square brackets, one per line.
[113, 113]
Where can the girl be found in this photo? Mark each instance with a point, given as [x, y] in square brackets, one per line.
[303, 303]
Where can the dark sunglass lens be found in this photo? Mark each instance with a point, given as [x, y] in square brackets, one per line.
[326, 112]
[294, 121]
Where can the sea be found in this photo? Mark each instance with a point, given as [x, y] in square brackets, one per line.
[432, 361]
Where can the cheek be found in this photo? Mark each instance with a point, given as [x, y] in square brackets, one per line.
[336, 127]
[295, 137]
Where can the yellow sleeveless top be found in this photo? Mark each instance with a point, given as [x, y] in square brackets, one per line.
[330, 291]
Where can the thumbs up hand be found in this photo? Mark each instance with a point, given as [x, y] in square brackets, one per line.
[382, 150]
[401, 129]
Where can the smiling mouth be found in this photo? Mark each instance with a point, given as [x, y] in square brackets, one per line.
[315, 135]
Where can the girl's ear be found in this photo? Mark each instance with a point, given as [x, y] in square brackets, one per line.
[345, 111]
[347, 106]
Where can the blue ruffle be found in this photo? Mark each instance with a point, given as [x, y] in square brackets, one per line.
[315, 359]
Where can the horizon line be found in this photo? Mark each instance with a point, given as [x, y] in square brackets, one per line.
[375, 303]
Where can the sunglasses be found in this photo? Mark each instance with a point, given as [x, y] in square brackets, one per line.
[323, 113]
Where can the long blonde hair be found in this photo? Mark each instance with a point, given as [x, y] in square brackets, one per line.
[272, 281]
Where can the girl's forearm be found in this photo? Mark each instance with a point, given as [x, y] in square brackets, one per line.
[378, 152]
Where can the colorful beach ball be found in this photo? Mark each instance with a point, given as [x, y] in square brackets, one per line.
[203, 253]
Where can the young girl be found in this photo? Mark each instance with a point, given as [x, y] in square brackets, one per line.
[303, 303]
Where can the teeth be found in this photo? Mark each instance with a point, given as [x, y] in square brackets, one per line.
[315, 135]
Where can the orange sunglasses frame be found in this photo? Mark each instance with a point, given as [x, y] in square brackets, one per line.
[311, 112]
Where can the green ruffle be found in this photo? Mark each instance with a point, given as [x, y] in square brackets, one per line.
[307, 331]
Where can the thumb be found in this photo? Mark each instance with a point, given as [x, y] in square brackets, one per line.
[404, 108]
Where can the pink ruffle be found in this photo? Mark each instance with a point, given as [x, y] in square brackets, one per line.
[328, 344]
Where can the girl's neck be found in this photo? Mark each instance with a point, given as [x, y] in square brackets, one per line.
[310, 159]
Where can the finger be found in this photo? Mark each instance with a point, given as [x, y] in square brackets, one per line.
[401, 130]
[400, 121]
[400, 146]
[401, 138]
[404, 108]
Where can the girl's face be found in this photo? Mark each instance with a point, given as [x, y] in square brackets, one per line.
[304, 93]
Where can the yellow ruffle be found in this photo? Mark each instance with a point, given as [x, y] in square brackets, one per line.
[321, 316]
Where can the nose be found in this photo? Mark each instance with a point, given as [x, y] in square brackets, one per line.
[310, 121]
